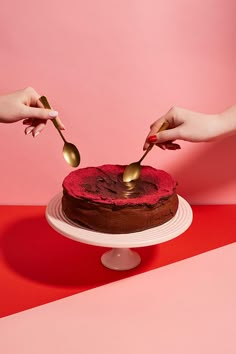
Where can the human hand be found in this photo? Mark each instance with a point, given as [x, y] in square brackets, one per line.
[187, 125]
[25, 105]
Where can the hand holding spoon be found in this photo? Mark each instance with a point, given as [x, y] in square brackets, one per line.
[132, 171]
[70, 151]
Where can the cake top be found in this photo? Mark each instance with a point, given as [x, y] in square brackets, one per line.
[104, 184]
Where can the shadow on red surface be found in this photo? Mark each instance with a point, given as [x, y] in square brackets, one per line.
[34, 250]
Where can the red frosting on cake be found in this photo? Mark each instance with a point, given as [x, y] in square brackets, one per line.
[104, 185]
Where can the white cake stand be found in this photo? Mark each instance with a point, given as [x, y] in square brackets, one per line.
[120, 257]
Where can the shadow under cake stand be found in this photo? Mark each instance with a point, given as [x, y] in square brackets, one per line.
[120, 257]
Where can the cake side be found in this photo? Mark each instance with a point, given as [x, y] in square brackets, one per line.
[97, 198]
[109, 219]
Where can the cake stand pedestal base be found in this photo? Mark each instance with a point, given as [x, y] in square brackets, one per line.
[121, 259]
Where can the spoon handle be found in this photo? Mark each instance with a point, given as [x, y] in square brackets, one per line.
[164, 126]
[46, 104]
[146, 152]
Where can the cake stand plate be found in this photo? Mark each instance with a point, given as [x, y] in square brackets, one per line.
[120, 257]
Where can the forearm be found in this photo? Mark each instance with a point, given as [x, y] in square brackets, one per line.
[229, 119]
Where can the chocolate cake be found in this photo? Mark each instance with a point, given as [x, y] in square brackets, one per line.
[98, 199]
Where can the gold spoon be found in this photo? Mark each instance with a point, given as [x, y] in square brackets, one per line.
[132, 171]
[70, 151]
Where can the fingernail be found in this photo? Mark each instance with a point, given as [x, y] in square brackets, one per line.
[152, 139]
[28, 130]
[53, 114]
[37, 133]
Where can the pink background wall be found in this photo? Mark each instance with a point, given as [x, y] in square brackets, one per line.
[111, 67]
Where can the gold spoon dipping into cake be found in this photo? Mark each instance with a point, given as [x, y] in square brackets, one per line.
[70, 151]
[132, 171]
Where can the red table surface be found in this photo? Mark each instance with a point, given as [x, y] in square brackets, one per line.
[38, 265]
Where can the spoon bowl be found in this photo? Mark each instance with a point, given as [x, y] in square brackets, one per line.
[70, 152]
[132, 171]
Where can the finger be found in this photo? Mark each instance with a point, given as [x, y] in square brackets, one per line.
[58, 120]
[27, 121]
[153, 130]
[43, 114]
[28, 130]
[38, 129]
[164, 136]
[173, 117]
[161, 146]
[34, 121]
[172, 146]
[38, 113]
